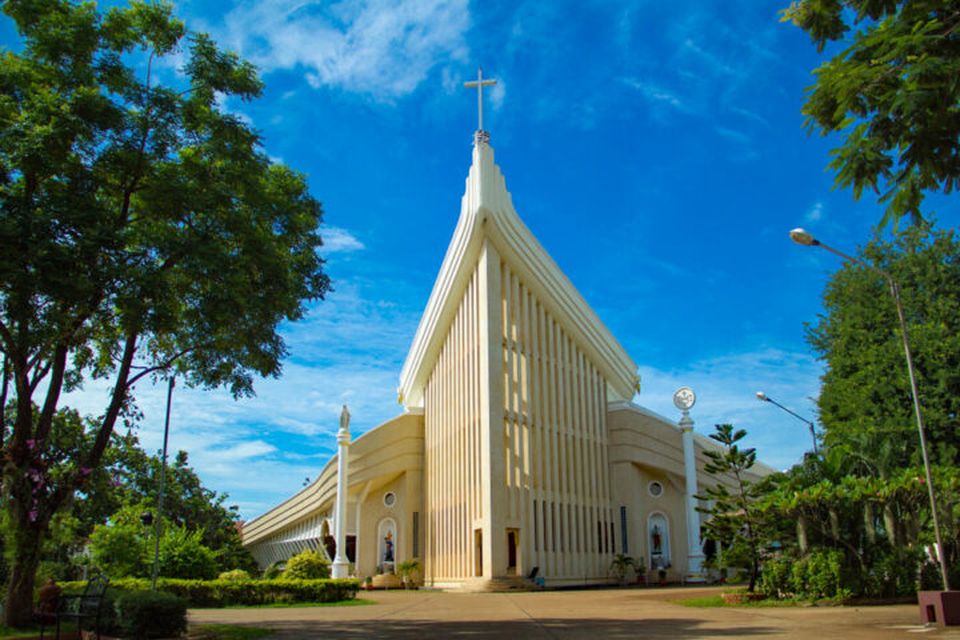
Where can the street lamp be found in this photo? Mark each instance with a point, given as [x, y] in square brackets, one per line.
[801, 236]
[761, 396]
[163, 478]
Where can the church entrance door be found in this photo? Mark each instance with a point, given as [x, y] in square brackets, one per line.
[513, 541]
[478, 552]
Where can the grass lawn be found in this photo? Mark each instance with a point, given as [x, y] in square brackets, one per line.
[6, 633]
[225, 632]
[293, 605]
[717, 601]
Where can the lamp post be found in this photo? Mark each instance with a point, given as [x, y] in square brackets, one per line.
[761, 396]
[163, 478]
[802, 237]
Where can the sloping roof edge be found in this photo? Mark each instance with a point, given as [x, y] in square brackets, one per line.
[487, 211]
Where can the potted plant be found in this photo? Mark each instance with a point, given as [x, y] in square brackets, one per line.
[368, 583]
[640, 569]
[621, 564]
[408, 571]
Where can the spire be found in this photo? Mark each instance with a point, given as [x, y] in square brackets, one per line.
[481, 136]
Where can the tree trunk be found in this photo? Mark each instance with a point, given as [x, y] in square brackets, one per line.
[834, 525]
[802, 533]
[26, 541]
[890, 524]
[869, 524]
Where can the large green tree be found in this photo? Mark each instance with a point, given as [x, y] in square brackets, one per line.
[865, 402]
[892, 92]
[142, 230]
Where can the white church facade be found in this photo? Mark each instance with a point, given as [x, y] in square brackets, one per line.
[519, 451]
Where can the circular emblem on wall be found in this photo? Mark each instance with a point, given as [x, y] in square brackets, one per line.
[389, 498]
[684, 398]
[655, 489]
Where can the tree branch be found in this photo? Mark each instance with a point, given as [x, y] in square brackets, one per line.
[161, 367]
[53, 395]
[4, 385]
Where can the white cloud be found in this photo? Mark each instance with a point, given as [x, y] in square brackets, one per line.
[710, 61]
[658, 95]
[815, 213]
[497, 94]
[337, 240]
[381, 48]
[726, 388]
[733, 135]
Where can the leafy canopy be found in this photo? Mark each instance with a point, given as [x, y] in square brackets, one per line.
[865, 402]
[892, 92]
[143, 230]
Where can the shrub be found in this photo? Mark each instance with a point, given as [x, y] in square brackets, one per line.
[775, 577]
[274, 571]
[149, 614]
[818, 575]
[183, 555]
[307, 565]
[220, 593]
[893, 573]
[236, 574]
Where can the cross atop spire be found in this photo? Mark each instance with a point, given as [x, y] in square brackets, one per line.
[479, 84]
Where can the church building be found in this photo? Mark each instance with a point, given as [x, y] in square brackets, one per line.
[520, 452]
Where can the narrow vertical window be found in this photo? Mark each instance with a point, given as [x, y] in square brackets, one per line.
[624, 548]
[416, 534]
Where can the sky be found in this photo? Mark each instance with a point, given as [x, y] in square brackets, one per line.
[655, 149]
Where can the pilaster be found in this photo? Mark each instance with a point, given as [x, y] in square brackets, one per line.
[494, 544]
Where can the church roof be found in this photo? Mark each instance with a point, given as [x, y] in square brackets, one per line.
[486, 212]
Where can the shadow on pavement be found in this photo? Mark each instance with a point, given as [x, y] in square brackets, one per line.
[511, 629]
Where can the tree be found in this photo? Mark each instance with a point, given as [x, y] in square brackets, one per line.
[734, 517]
[865, 400]
[143, 231]
[892, 94]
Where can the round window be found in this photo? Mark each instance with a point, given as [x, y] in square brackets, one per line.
[389, 498]
[655, 489]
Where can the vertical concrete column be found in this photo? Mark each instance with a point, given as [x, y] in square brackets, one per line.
[492, 469]
[341, 566]
[694, 550]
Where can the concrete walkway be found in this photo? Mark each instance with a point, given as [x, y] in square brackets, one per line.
[592, 614]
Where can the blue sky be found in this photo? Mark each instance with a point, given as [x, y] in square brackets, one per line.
[655, 149]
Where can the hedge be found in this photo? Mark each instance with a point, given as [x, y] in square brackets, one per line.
[222, 593]
[145, 614]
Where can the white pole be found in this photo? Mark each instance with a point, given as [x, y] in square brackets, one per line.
[341, 566]
[694, 550]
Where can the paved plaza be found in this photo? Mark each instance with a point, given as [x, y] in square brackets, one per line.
[593, 614]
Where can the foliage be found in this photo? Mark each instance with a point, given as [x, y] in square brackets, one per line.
[236, 574]
[815, 576]
[183, 555]
[307, 565]
[891, 93]
[275, 570]
[865, 402]
[621, 564]
[149, 614]
[125, 548]
[734, 518]
[143, 230]
[122, 547]
[223, 593]
[818, 575]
